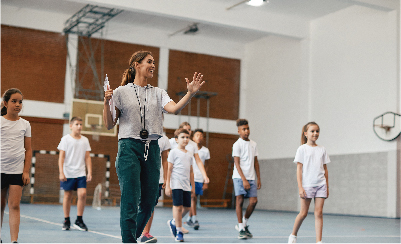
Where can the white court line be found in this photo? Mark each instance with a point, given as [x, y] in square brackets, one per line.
[52, 223]
[215, 237]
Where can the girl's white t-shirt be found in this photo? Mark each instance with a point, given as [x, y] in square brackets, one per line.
[180, 176]
[13, 135]
[164, 145]
[204, 154]
[75, 150]
[312, 160]
[246, 151]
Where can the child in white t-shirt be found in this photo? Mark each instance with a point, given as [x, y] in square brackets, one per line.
[246, 177]
[179, 180]
[312, 178]
[16, 153]
[74, 155]
[204, 154]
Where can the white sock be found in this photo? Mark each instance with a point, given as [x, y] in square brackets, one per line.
[188, 218]
[194, 218]
[179, 229]
[241, 226]
[244, 221]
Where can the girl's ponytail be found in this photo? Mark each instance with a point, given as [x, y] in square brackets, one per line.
[129, 74]
[6, 97]
[305, 129]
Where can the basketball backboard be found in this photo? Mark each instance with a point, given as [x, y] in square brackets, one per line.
[91, 113]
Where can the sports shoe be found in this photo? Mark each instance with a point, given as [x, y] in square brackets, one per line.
[66, 225]
[196, 225]
[190, 223]
[172, 228]
[147, 238]
[292, 239]
[80, 225]
[179, 237]
[184, 231]
[248, 233]
[242, 234]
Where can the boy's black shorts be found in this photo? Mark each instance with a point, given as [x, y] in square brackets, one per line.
[181, 198]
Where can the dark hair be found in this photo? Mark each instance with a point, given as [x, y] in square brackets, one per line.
[129, 74]
[6, 98]
[305, 129]
[241, 122]
[179, 131]
[75, 118]
[198, 130]
[184, 124]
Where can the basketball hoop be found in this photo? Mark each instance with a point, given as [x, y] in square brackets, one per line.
[387, 126]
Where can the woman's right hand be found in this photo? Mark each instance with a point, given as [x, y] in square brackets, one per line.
[302, 193]
[108, 94]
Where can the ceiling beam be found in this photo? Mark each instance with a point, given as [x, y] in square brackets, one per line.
[215, 13]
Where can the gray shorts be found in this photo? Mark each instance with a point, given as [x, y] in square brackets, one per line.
[317, 191]
[240, 190]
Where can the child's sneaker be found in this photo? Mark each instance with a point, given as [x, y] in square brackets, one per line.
[147, 238]
[248, 233]
[242, 235]
[179, 237]
[292, 239]
[172, 228]
[80, 225]
[190, 223]
[196, 225]
[66, 225]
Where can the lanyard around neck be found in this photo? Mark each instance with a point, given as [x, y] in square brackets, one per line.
[140, 106]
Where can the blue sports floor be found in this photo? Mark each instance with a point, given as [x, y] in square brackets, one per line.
[42, 223]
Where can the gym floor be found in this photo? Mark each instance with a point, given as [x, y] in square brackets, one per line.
[42, 223]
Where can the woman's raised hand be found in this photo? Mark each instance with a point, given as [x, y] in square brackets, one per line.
[195, 84]
[108, 93]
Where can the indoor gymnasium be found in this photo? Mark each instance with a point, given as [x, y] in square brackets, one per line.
[289, 110]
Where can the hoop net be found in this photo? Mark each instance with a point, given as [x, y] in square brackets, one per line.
[97, 197]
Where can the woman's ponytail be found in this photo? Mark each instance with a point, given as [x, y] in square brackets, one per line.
[129, 74]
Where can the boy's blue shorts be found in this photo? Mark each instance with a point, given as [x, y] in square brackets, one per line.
[240, 190]
[198, 188]
[73, 183]
[181, 198]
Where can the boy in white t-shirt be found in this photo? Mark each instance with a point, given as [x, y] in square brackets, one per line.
[179, 180]
[204, 154]
[74, 155]
[246, 176]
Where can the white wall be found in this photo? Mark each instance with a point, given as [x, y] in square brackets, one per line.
[276, 98]
[354, 77]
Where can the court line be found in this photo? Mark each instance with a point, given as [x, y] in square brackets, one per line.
[207, 237]
[58, 224]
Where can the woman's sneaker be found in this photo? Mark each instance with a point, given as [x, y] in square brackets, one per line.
[147, 238]
[80, 225]
[179, 237]
[66, 225]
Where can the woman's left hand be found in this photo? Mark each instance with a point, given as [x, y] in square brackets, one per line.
[196, 83]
